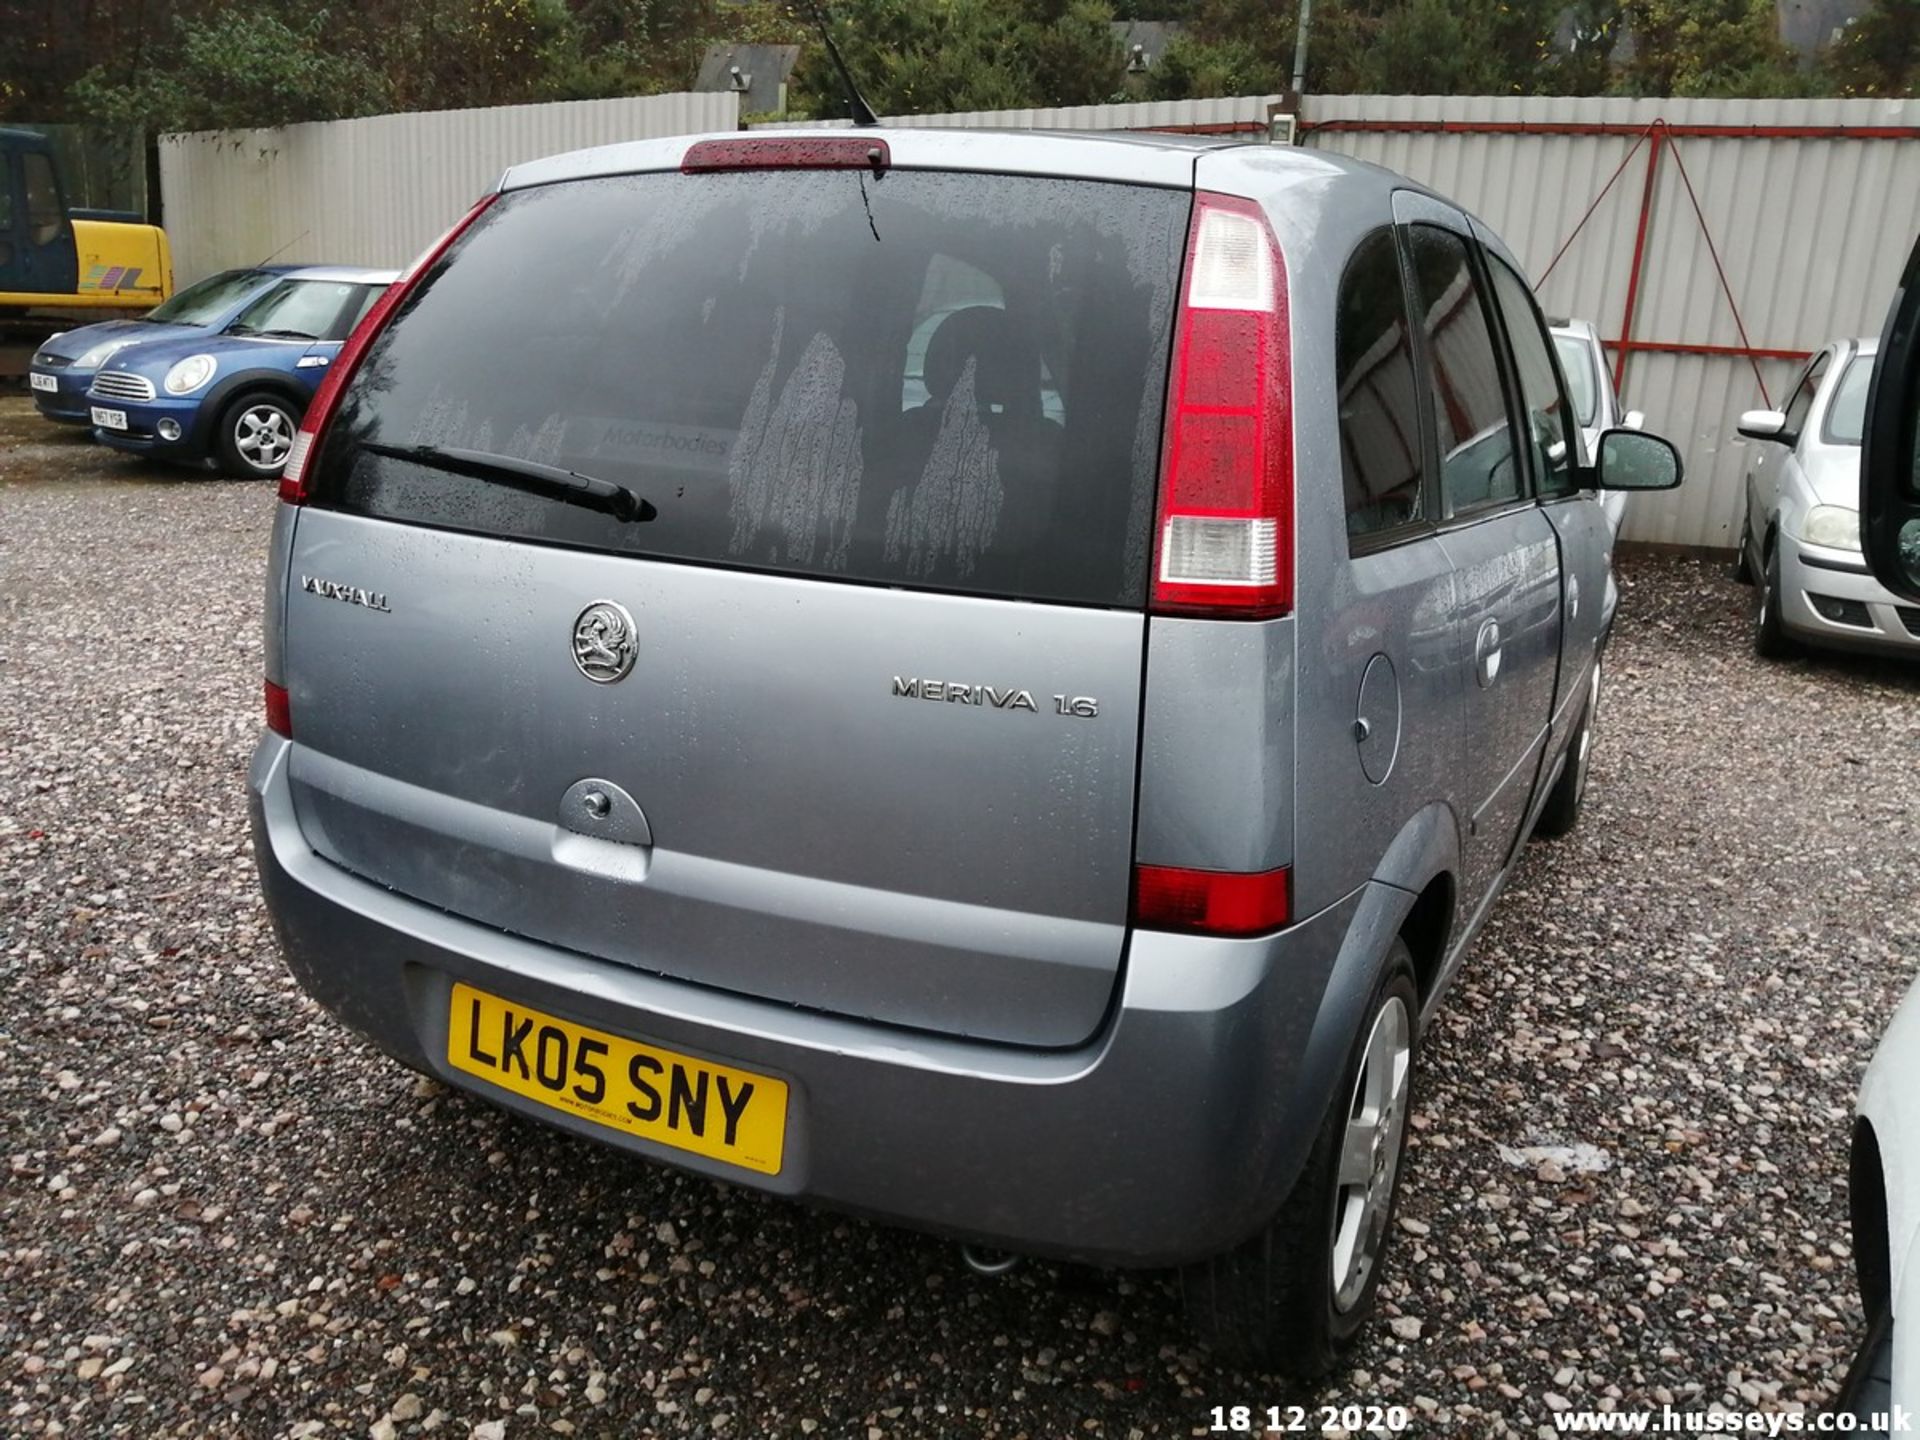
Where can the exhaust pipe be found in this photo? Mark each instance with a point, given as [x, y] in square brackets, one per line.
[988, 1262]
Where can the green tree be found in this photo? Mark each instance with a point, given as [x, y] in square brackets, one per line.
[240, 66]
[935, 56]
[1445, 47]
[1708, 47]
[1879, 54]
[1594, 28]
[1486, 47]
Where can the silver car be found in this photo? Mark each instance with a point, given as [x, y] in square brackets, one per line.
[986, 680]
[1800, 526]
[1596, 405]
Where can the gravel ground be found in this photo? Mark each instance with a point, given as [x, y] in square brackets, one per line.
[222, 1215]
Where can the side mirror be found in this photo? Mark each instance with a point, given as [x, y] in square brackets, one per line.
[1890, 446]
[1633, 420]
[1765, 425]
[1635, 460]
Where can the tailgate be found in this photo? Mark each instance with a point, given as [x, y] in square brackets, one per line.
[854, 800]
[845, 714]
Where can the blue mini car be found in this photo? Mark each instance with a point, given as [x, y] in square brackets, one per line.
[66, 363]
[235, 397]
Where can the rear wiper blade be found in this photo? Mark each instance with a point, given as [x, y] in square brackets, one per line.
[568, 486]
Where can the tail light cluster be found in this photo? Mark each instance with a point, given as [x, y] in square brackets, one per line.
[1225, 543]
[1211, 902]
[1224, 549]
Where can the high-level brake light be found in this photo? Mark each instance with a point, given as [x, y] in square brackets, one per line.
[826, 152]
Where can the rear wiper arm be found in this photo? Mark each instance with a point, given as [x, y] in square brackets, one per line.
[567, 486]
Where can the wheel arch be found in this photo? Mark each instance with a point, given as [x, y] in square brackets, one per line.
[1423, 863]
[1867, 1206]
[1412, 897]
[214, 407]
[1427, 928]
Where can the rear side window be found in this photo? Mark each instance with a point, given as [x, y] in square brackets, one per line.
[945, 381]
[1553, 446]
[1847, 411]
[1477, 462]
[1380, 440]
[1576, 363]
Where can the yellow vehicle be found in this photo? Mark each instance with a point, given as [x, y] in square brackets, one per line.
[86, 264]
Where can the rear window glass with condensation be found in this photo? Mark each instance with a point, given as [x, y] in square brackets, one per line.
[931, 379]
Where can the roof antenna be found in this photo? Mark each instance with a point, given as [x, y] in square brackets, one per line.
[284, 248]
[862, 112]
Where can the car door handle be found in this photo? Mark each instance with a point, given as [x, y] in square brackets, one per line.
[1486, 653]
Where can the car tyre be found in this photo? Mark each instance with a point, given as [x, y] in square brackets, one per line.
[1294, 1298]
[1770, 639]
[256, 435]
[1562, 810]
[1742, 562]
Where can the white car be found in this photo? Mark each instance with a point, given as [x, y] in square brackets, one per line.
[1885, 1192]
[1800, 536]
[1596, 406]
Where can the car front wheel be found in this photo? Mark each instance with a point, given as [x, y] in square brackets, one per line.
[1770, 638]
[1294, 1297]
[256, 436]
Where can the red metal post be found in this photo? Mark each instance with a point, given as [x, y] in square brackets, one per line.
[1725, 352]
[1656, 137]
[1553, 127]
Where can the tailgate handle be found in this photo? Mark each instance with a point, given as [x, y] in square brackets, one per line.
[602, 831]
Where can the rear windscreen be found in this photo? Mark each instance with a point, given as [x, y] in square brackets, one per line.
[941, 380]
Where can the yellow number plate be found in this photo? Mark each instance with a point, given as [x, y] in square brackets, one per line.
[713, 1110]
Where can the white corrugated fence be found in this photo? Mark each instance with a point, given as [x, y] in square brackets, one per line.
[1811, 204]
[377, 191]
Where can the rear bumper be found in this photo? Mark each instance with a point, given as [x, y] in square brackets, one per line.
[1174, 1134]
[1806, 572]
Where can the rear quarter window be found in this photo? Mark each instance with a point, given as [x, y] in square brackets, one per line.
[940, 380]
[1382, 447]
[1576, 363]
[1847, 411]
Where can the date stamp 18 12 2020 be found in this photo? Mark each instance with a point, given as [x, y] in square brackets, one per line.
[1310, 1419]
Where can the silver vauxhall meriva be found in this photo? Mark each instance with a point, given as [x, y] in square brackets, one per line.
[983, 679]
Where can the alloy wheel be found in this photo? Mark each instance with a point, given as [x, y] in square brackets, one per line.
[263, 434]
[1370, 1152]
